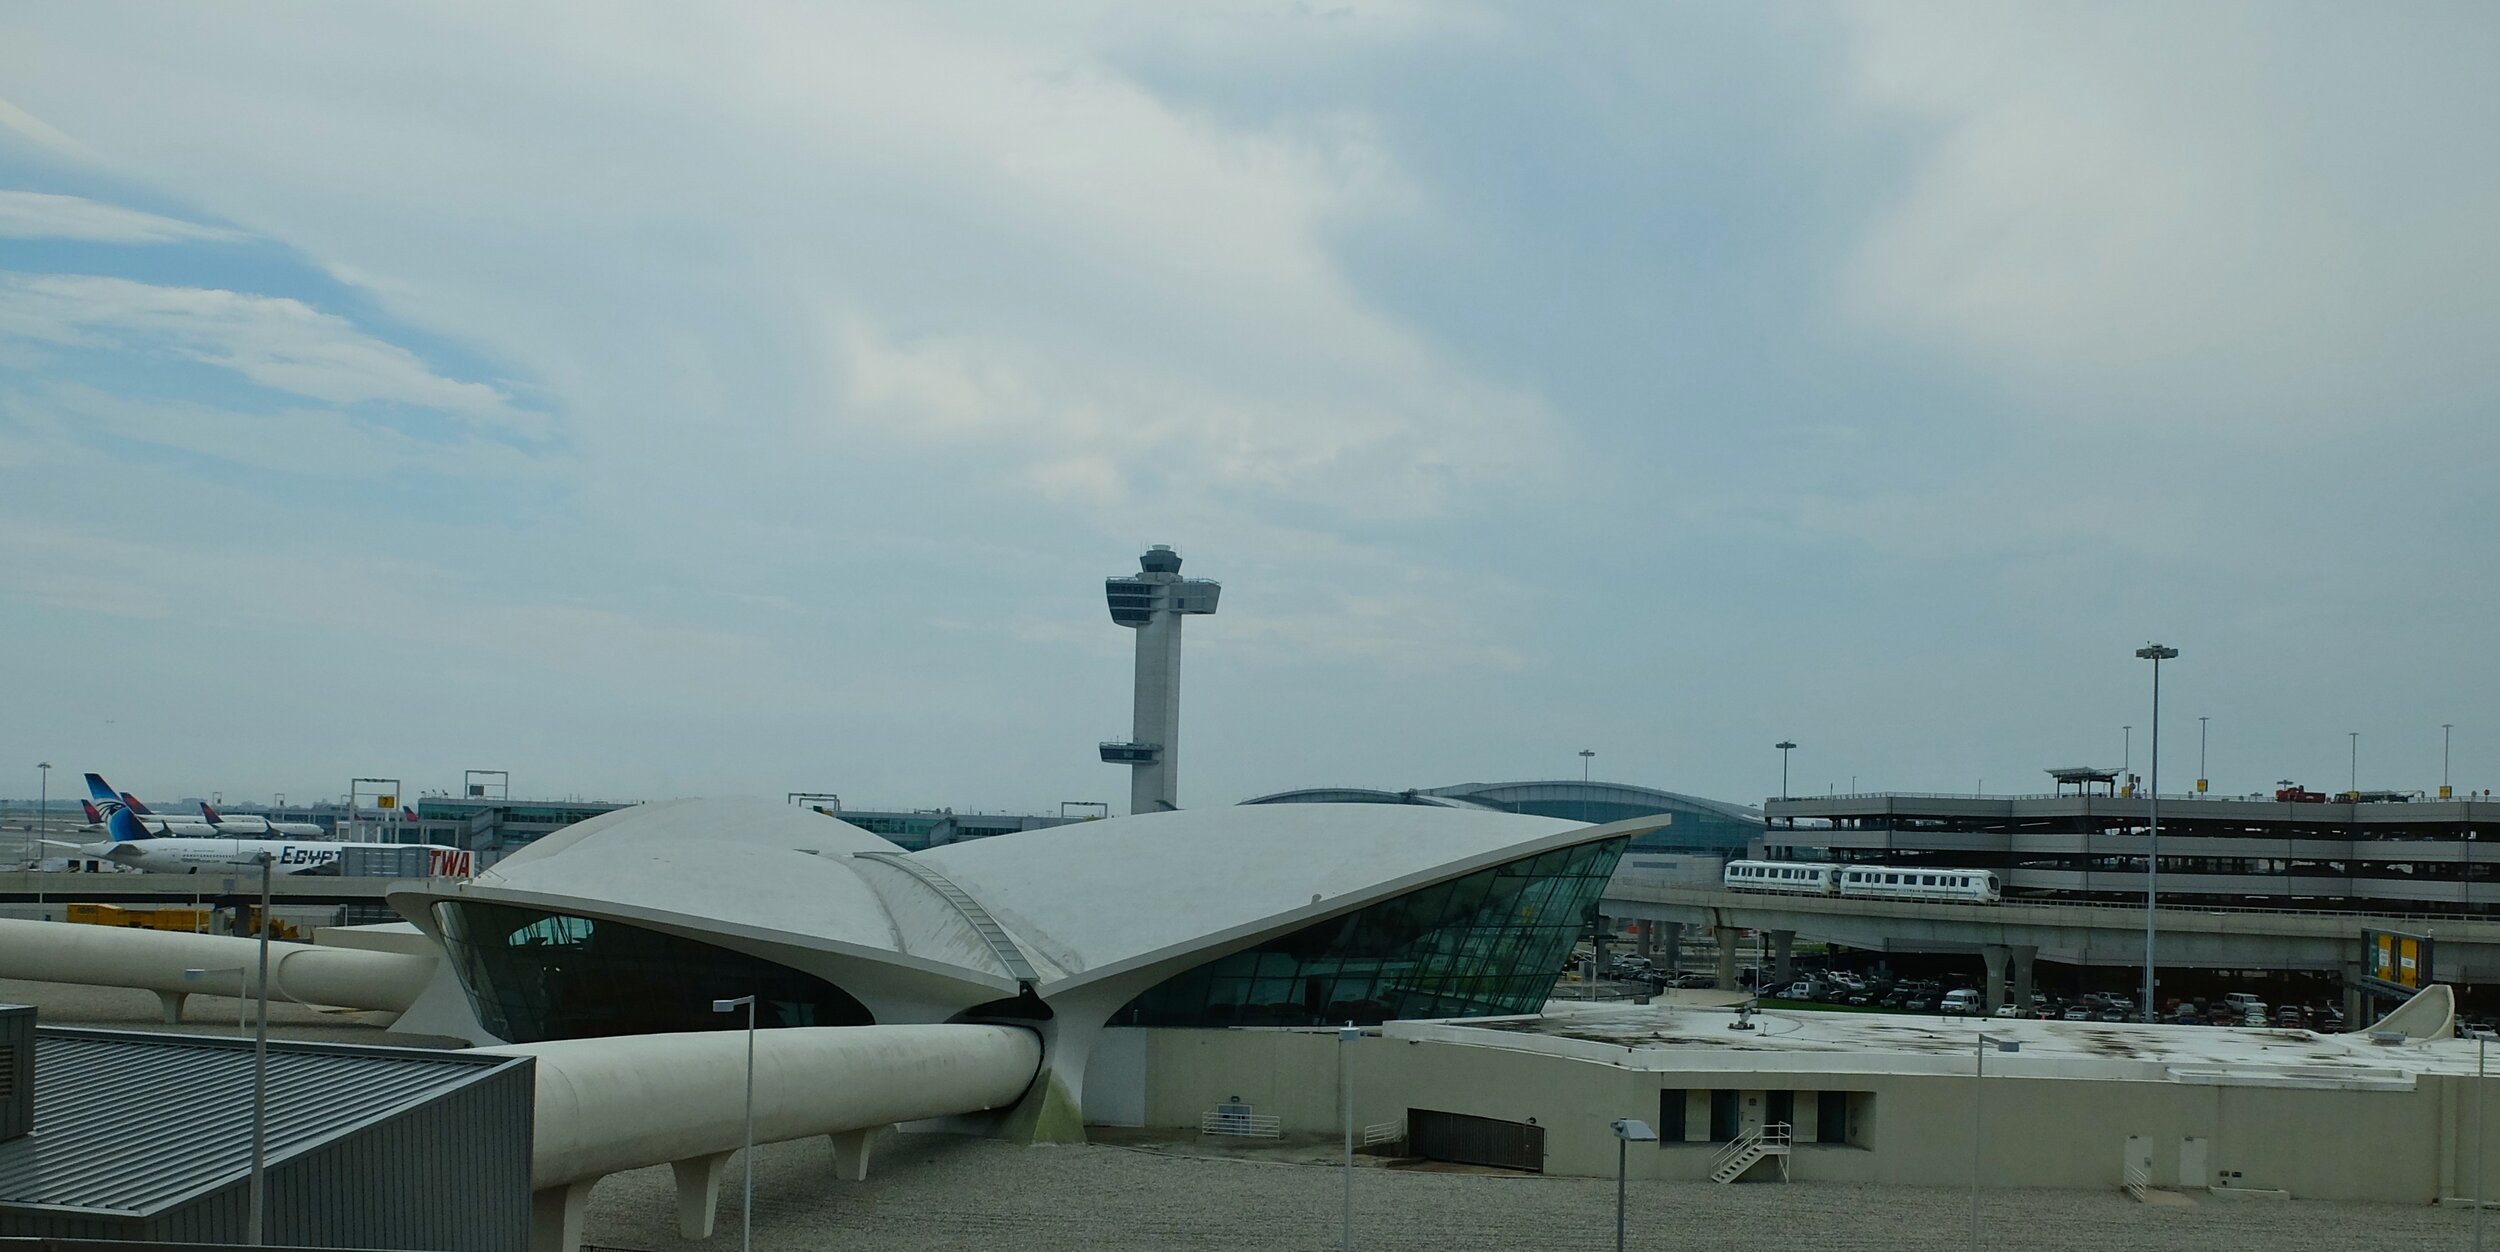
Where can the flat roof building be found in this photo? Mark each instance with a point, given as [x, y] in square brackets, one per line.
[2410, 856]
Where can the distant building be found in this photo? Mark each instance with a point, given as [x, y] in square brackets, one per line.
[2303, 850]
[488, 824]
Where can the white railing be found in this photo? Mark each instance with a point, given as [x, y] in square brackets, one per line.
[1239, 1122]
[1383, 1132]
[1751, 1146]
[1737, 1149]
[2138, 1181]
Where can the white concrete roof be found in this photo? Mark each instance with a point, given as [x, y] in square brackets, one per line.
[1078, 902]
[1678, 1037]
[1098, 896]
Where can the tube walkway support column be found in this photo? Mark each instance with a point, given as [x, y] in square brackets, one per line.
[1995, 955]
[1781, 942]
[1727, 938]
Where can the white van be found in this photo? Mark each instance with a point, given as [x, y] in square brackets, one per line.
[1962, 1001]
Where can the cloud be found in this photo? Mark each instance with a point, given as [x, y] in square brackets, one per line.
[292, 440]
[2208, 217]
[42, 215]
[279, 343]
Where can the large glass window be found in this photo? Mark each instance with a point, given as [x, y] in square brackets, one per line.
[1489, 944]
[533, 976]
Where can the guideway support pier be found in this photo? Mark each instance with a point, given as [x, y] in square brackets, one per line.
[2000, 955]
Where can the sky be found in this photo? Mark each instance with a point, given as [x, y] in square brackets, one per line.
[656, 400]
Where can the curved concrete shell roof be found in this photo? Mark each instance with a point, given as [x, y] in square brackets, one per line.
[965, 923]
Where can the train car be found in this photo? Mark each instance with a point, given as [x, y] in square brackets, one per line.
[1895, 882]
[1787, 877]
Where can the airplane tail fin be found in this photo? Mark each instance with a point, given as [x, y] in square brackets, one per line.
[210, 814]
[102, 792]
[125, 826]
[136, 807]
[93, 818]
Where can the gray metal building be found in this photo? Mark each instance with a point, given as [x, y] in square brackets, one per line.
[149, 1137]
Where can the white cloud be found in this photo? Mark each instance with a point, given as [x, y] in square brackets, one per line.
[276, 342]
[42, 215]
[292, 440]
[2212, 216]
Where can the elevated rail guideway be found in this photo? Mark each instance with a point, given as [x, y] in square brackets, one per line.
[2015, 933]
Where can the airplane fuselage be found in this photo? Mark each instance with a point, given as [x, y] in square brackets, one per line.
[221, 855]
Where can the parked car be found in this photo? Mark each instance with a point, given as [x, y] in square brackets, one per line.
[2078, 1014]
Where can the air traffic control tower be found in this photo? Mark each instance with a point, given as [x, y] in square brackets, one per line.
[1151, 602]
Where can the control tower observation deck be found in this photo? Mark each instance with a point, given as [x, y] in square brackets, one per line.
[1151, 603]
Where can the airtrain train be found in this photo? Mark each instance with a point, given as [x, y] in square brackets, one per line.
[1878, 882]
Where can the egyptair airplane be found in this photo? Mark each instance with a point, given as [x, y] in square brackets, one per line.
[132, 844]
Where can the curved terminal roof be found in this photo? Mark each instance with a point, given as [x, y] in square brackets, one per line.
[1054, 908]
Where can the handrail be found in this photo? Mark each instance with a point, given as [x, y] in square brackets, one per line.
[1735, 1148]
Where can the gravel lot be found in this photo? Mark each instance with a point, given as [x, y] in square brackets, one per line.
[938, 1191]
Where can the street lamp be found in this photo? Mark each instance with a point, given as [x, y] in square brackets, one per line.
[1628, 1131]
[1347, 1034]
[746, 1213]
[2156, 653]
[1979, 1074]
[1585, 754]
[2126, 746]
[2445, 728]
[2353, 782]
[43, 801]
[2200, 754]
[1784, 746]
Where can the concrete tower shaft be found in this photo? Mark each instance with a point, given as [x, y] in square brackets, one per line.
[1152, 602]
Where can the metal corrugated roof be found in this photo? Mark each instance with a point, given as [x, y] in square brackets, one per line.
[132, 1124]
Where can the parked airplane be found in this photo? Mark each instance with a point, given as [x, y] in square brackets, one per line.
[254, 824]
[157, 822]
[132, 844]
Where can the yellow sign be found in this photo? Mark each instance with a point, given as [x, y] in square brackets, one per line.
[2398, 960]
[386, 801]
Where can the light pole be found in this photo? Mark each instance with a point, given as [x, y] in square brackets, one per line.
[1627, 1132]
[2352, 782]
[2481, 1202]
[2156, 653]
[1346, 1035]
[2200, 754]
[2126, 749]
[1585, 754]
[1785, 746]
[43, 794]
[746, 1213]
[1979, 1074]
[2445, 729]
[256, 1227]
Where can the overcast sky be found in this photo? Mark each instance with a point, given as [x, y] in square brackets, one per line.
[656, 399]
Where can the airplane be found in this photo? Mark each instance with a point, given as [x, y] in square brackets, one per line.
[134, 846]
[159, 823]
[254, 824]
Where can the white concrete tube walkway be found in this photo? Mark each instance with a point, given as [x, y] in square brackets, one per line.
[608, 1105]
[153, 960]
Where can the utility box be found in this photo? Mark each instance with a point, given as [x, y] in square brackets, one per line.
[17, 1071]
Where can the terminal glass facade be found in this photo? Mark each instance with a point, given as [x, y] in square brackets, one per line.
[1487, 945]
[533, 976]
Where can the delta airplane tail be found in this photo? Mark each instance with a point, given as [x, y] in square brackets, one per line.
[93, 818]
[137, 807]
[210, 814]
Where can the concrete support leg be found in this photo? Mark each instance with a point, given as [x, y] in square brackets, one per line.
[2356, 1006]
[850, 1153]
[2023, 958]
[1675, 943]
[556, 1216]
[698, 1192]
[1781, 942]
[1727, 938]
[171, 1002]
[1995, 955]
[1646, 945]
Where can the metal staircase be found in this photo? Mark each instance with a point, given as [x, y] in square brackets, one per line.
[1749, 1149]
[987, 927]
